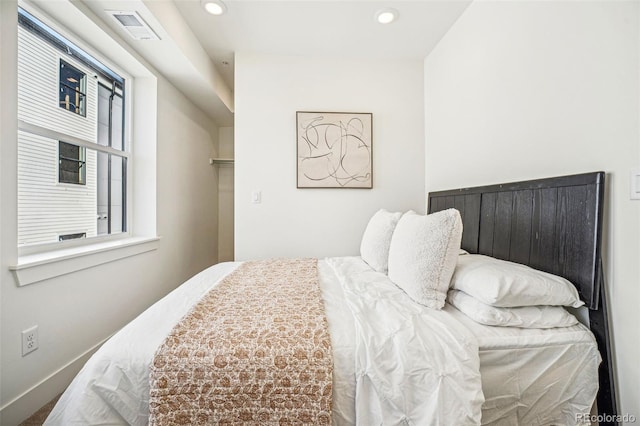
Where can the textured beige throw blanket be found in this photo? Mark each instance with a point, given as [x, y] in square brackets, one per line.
[255, 350]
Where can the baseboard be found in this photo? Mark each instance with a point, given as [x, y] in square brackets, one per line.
[23, 406]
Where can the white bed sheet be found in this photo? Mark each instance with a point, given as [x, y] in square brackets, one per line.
[413, 365]
[113, 386]
[368, 322]
[535, 376]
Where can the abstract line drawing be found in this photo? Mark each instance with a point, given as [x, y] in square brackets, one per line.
[334, 149]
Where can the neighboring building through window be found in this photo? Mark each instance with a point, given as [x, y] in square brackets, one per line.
[72, 167]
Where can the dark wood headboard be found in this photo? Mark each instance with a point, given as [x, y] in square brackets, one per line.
[554, 225]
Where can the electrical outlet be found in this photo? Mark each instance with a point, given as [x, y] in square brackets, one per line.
[635, 184]
[29, 340]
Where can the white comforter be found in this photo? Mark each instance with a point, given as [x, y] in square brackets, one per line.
[395, 362]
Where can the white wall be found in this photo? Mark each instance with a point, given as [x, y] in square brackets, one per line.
[521, 90]
[321, 222]
[77, 311]
[8, 155]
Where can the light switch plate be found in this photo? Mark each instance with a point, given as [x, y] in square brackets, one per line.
[634, 185]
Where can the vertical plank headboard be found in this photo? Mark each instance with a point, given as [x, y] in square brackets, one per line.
[552, 224]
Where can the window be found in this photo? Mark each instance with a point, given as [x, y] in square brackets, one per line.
[73, 84]
[72, 236]
[72, 155]
[71, 164]
[63, 227]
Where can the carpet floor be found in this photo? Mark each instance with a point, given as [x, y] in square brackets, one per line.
[38, 418]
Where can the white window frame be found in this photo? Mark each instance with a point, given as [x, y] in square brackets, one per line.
[39, 262]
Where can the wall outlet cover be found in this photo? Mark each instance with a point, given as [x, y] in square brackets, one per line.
[29, 340]
[634, 184]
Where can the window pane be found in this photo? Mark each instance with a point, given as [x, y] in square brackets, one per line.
[117, 194]
[116, 124]
[72, 236]
[103, 193]
[103, 115]
[110, 116]
[49, 212]
[71, 164]
[72, 88]
[69, 150]
[111, 193]
[47, 209]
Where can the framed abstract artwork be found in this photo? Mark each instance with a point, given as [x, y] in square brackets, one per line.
[334, 149]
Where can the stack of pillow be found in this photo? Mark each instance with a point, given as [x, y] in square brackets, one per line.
[420, 254]
[501, 293]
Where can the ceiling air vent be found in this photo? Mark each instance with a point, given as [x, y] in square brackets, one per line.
[133, 24]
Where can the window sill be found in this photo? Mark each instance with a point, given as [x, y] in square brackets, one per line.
[43, 266]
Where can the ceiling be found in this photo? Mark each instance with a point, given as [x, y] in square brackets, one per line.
[320, 28]
[196, 50]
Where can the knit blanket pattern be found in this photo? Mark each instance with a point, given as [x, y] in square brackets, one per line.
[255, 350]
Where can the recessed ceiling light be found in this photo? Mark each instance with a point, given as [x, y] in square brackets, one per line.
[386, 16]
[214, 7]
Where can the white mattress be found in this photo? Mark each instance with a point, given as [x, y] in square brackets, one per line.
[535, 376]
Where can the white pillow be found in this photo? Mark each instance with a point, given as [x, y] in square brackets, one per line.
[374, 247]
[523, 317]
[506, 284]
[423, 254]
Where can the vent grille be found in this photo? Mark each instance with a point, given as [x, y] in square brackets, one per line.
[128, 20]
[133, 24]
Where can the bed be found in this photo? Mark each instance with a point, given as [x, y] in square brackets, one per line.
[554, 225]
[380, 372]
[520, 370]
